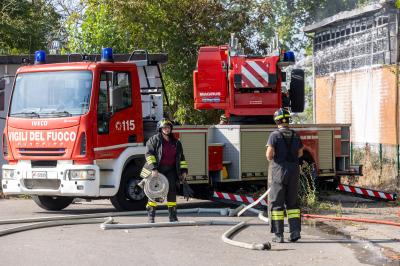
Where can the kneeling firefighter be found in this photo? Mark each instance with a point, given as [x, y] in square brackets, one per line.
[284, 147]
[164, 154]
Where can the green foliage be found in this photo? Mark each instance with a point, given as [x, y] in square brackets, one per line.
[177, 27]
[397, 3]
[95, 29]
[180, 27]
[26, 26]
[307, 191]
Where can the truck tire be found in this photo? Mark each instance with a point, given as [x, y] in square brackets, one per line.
[51, 203]
[130, 197]
[296, 92]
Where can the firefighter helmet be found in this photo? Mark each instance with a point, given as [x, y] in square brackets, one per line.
[281, 116]
[223, 119]
[163, 123]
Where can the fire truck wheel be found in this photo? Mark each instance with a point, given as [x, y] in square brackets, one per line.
[130, 197]
[52, 203]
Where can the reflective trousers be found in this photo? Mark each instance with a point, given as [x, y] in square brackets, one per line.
[283, 197]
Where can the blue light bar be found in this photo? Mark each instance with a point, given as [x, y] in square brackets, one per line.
[289, 56]
[107, 55]
[40, 57]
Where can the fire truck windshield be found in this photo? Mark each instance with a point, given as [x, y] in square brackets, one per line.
[51, 94]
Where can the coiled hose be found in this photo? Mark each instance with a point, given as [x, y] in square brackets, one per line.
[156, 188]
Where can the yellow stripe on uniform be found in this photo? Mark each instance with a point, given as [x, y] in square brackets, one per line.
[277, 215]
[151, 159]
[294, 213]
[171, 204]
[152, 204]
[145, 173]
[281, 116]
[184, 164]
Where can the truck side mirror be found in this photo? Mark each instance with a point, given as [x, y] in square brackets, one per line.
[110, 89]
[296, 92]
[2, 84]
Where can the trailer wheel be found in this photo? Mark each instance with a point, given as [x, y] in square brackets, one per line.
[51, 203]
[130, 197]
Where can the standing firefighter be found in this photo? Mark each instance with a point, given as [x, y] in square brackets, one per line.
[164, 154]
[284, 147]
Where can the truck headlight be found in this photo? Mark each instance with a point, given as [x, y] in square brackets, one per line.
[9, 174]
[81, 174]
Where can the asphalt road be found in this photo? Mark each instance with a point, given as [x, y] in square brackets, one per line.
[200, 245]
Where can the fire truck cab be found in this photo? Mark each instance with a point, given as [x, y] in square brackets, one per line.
[78, 130]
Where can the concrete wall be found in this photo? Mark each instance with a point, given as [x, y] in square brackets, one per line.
[364, 98]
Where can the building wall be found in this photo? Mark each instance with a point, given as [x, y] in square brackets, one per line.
[365, 98]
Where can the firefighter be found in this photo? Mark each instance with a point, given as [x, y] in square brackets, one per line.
[223, 120]
[284, 147]
[164, 154]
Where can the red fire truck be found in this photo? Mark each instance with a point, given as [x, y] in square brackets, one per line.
[77, 130]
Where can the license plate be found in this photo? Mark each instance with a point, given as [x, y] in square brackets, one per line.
[39, 174]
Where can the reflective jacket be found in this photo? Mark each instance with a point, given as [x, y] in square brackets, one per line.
[154, 153]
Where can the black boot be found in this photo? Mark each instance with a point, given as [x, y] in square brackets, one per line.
[172, 214]
[294, 236]
[151, 213]
[278, 238]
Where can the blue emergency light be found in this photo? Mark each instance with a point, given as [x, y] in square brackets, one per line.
[40, 57]
[289, 56]
[107, 55]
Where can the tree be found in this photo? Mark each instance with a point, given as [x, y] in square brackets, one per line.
[26, 26]
[177, 27]
[180, 27]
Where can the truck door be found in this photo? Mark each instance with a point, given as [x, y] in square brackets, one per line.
[119, 113]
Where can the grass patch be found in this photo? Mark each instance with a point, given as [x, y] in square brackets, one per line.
[308, 194]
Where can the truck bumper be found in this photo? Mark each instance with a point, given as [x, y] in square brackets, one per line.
[21, 178]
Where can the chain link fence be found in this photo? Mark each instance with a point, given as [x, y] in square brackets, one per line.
[380, 166]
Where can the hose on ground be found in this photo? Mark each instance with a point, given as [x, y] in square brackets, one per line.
[42, 222]
[254, 203]
[47, 224]
[226, 237]
[107, 225]
[362, 220]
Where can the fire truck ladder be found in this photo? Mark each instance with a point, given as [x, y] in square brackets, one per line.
[150, 77]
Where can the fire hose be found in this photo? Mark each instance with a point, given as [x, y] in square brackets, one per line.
[155, 188]
[361, 220]
[43, 222]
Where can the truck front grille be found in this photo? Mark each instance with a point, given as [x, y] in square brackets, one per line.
[41, 151]
[42, 183]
